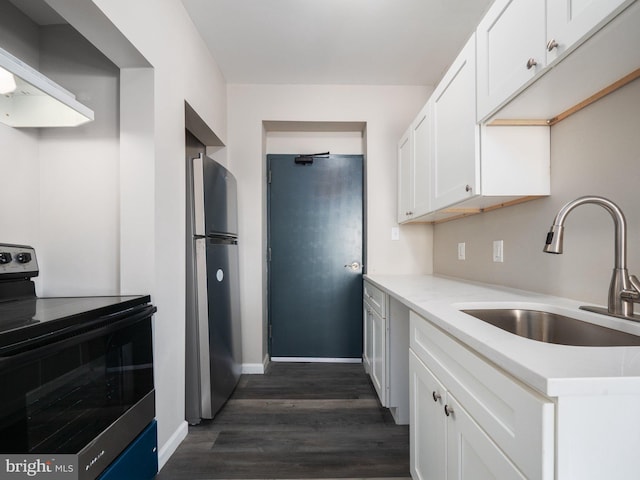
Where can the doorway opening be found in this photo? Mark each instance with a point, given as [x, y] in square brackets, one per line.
[315, 240]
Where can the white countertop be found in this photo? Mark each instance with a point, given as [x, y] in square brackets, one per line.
[554, 370]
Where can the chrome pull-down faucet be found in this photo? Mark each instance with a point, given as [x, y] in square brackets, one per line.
[624, 289]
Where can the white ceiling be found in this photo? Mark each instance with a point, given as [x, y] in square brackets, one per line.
[377, 42]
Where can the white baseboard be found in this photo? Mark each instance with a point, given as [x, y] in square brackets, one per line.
[256, 368]
[316, 360]
[252, 368]
[165, 452]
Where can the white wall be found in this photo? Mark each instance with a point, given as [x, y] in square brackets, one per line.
[19, 195]
[346, 143]
[63, 178]
[594, 152]
[79, 173]
[182, 70]
[387, 111]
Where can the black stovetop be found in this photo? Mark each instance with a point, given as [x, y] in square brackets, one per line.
[27, 318]
[23, 316]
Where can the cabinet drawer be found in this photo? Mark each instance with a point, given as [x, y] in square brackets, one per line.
[376, 299]
[518, 420]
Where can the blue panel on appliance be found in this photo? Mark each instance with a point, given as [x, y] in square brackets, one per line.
[139, 461]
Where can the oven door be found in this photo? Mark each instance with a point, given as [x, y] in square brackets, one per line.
[68, 392]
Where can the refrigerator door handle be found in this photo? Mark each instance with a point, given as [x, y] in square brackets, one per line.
[203, 326]
[198, 195]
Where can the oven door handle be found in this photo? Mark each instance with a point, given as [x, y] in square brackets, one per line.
[43, 346]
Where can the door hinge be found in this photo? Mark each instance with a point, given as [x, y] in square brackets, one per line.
[269, 254]
[270, 330]
[269, 177]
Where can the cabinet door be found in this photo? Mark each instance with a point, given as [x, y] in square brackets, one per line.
[367, 352]
[455, 135]
[378, 356]
[405, 178]
[511, 33]
[471, 454]
[569, 21]
[428, 450]
[421, 138]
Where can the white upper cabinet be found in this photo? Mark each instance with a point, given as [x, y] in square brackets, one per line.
[405, 178]
[456, 145]
[568, 21]
[421, 128]
[444, 152]
[511, 50]
[414, 168]
[519, 41]
[529, 64]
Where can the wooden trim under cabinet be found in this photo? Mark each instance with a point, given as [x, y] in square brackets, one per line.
[570, 111]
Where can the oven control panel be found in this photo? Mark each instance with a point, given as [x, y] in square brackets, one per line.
[17, 260]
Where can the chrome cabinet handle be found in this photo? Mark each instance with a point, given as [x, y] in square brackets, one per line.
[531, 63]
[552, 44]
[408, 213]
[448, 410]
[468, 188]
[436, 396]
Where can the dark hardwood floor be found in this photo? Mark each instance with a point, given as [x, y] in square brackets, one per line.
[299, 420]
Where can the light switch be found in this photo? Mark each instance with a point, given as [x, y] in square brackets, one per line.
[461, 251]
[498, 251]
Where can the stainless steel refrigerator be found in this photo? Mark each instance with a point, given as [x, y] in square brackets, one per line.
[213, 343]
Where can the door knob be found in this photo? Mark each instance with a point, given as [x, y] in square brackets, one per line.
[353, 266]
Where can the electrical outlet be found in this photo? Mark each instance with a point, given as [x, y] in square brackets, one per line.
[498, 251]
[461, 251]
[395, 233]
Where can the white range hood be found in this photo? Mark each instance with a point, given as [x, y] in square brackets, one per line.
[37, 101]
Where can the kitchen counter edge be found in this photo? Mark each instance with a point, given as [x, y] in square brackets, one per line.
[553, 370]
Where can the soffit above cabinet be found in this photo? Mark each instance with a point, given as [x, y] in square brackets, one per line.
[37, 101]
[39, 11]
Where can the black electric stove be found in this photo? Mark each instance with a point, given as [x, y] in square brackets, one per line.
[76, 372]
[24, 316]
[28, 318]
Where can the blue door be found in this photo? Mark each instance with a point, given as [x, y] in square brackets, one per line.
[315, 220]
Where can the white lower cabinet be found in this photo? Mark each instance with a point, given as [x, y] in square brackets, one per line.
[471, 454]
[446, 443]
[469, 420]
[378, 353]
[375, 339]
[386, 341]
[367, 347]
[428, 429]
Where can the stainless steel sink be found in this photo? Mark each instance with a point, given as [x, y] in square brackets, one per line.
[553, 328]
